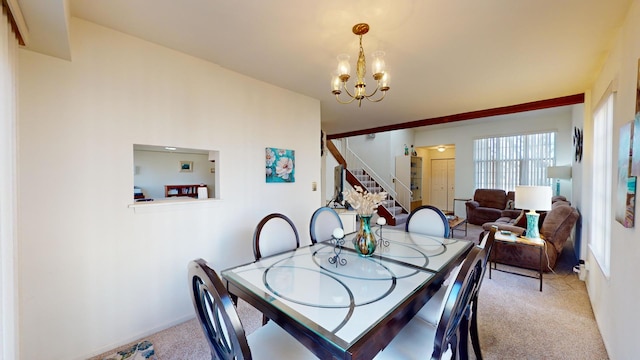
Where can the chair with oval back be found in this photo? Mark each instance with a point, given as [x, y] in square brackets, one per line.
[323, 222]
[486, 244]
[432, 311]
[223, 329]
[419, 338]
[274, 234]
[428, 220]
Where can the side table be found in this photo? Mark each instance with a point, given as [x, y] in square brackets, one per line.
[520, 241]
[455, 222]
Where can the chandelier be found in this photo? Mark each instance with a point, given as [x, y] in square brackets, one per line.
[339, 81]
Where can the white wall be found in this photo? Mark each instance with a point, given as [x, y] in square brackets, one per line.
[397, 141]
[374, 152]
[462, 136]
[8, 188]
[94, 273]
[614, 299]
[328, 165]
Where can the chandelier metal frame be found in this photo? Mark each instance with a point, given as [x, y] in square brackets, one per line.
[339, 81]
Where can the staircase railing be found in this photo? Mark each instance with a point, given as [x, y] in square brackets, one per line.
[403, 195]
[355, 162]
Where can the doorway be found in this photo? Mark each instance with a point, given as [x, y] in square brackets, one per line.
[443, 183]
[438, 176]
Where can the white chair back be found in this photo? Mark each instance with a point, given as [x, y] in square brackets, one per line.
[323, 222]
[275, 234]
[428, 220]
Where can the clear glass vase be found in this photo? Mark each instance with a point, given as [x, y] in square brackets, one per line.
[365, 242]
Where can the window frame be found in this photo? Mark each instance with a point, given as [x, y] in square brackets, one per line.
[602, 181]
[506, 167]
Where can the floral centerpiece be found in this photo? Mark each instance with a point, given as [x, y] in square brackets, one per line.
[365, 204]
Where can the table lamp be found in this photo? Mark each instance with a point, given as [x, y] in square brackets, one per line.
[558, 172]
[533, 198]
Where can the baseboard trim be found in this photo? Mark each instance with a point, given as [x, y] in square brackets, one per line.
[137, 337]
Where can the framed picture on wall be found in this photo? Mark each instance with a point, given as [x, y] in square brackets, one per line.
[280, 165]
[186, 166]
[626, 196]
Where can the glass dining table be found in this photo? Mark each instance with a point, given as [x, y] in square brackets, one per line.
[349, 306]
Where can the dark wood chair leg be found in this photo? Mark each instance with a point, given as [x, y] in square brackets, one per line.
[463, 339]
[234, 298]
[475, 340]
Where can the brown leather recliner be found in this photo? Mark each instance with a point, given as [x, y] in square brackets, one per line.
[487, 205]
[556, 229]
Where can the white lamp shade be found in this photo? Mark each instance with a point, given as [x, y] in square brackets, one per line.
[533, 198]
[559, 172]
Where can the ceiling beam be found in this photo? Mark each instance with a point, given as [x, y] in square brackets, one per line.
[505, 110]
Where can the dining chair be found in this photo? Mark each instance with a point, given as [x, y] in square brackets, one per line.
[432, 311]
[222, 327]
[323, 222]
[446, 340]
[428, 220]
[274, 234]
[486, 244]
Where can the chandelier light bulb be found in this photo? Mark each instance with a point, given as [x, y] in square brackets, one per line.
[343, 65]
[385, 81]
[378, 66]
[335, 84]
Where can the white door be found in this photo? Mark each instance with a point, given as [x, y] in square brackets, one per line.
[443, 184]
[439, 175]
[451, 183]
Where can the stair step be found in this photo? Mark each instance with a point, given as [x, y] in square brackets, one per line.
[388, 203]
[401, 218]
[368, 183]
[395, 210]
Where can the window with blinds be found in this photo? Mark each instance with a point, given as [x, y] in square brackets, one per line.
[507, 161]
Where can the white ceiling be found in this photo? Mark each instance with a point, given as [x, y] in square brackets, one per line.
[445, 56]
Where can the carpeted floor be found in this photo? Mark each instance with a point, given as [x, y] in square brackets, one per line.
[516, 320]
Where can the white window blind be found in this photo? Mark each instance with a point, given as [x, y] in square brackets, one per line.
[507, 161]
[601, 190]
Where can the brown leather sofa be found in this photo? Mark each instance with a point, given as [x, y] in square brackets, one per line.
[556, 228]
[487, 205]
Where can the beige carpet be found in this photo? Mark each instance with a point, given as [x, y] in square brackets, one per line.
[516, 320]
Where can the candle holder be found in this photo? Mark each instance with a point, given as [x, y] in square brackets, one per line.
[381, 241]
[337, 241]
